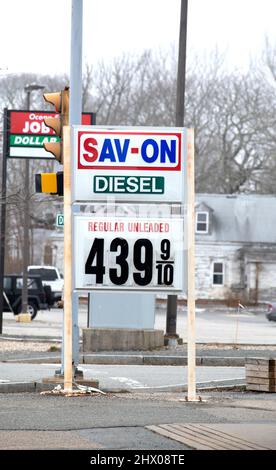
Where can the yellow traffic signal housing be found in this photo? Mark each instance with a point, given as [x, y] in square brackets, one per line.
[49, 183]
[61, 102]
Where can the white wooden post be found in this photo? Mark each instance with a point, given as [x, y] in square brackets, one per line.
[68, 376]
[191, 268]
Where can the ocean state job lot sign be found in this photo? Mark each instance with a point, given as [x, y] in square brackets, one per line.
[129, 164]
[28, 133]
[128, 253]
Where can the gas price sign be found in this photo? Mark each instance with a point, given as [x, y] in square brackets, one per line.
[126, 253]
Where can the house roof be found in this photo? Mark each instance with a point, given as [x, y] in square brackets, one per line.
[240, 218]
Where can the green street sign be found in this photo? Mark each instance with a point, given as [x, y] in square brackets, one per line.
[60, 220]
[129, 184]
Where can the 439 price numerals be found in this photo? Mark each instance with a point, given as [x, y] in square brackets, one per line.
[142, 259]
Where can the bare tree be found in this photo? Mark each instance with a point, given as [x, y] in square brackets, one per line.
[134, 90]
[230, 119]
[233, 114]
[13, 96]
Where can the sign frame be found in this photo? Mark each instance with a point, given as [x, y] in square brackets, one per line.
[173, 175]
[179, 204]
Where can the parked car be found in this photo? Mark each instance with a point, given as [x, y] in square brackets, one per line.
[271, 308]
[39, 297]
[51, 276]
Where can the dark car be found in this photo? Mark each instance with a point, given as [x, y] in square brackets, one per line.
[271, 308]
[39, 298]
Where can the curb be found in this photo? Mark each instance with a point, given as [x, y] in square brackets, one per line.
[199, 345]
[31, 339]
[32, 387]
[138, 360]
[22, 387]
[161, 360]
[35, 360]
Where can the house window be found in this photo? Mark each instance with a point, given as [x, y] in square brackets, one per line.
[202, 222]
[7, 283]
[218, 274]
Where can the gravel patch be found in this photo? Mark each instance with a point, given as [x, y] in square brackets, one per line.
[10, 346]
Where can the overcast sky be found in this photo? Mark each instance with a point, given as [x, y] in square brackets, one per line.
[32, 41]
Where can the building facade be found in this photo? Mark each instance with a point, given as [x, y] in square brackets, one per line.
[236, 247]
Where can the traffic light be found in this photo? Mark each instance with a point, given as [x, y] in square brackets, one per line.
[61, 102]
[49, 183]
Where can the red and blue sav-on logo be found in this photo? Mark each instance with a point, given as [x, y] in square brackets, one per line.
[105, 150]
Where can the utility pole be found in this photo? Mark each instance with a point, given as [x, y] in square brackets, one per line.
[26, 224]
[3, 216]
[179, 122]
[181, 72]
[75, 118]
[75, 110]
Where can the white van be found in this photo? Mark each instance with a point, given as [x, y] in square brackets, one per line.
[50, 276]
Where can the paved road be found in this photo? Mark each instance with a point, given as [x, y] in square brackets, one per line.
[128, 378]
[212, 326]
[118, 421]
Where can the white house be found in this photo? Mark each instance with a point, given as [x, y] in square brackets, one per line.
[236, 247]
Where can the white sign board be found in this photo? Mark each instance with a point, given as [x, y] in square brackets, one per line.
[129, 164]
[128, 253]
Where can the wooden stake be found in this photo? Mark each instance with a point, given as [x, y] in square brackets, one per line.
[67, 324]
[191, 268]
